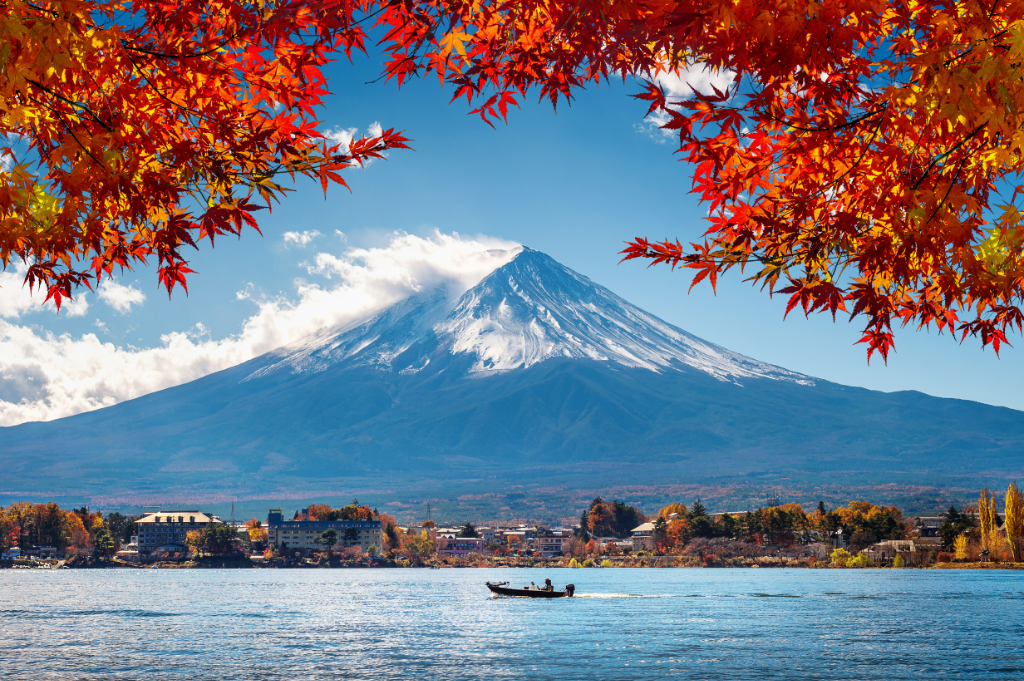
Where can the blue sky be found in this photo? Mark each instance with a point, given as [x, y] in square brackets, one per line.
[575, 184]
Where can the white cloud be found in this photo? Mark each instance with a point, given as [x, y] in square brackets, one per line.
[300, 239]
[71, 375]
[119, 296]
[344, 137]
[677, 85]
[16, 299]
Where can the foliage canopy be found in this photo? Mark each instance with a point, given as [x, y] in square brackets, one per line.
[864, 158]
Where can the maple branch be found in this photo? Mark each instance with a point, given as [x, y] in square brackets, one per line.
[71, 103]
[42, 10]
[833, 127]
[952, 181]
[947, 153]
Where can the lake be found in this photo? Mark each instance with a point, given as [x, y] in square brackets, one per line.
[443, 624]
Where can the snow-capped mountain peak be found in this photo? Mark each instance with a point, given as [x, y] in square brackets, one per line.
[528, 311]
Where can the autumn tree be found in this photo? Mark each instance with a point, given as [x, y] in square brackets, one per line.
[319, 511]
[10, 530]
[574, 547]
[1014, 525]
[985, 524]
[390, 533]
[612, 518]
[257, 535]
[858, 157]
[136, 129]
[960, 547]
[194, 540]
[419, 546]
[74, 532]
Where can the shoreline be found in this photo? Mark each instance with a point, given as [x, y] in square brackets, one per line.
[667, 562]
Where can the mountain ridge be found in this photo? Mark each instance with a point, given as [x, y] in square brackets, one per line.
[535, 375]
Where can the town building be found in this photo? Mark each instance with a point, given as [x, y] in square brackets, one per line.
[913, 552]
[165, 531]
[462, 546]
[642, 536]
[301, 534]
[487, 534]
[928, 527]
[551, 543]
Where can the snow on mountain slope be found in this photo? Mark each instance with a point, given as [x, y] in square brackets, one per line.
[527, 311]
[534, 309]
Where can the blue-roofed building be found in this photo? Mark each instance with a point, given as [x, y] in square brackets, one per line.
[300, 534]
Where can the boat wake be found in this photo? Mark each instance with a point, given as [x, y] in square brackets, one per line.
[638, 596]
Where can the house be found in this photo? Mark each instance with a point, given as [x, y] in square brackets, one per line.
[462, 546]
[487, 534]
[519, 539]
[301, 534]
[550, 543]
[928, 527]
[642, 536]
[11, 554]
[840, 540]
[912, 552]
[41, 552]
[164, 532]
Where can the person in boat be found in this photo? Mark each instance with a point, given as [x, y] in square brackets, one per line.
[548, 586]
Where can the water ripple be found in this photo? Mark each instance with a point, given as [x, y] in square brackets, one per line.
[442, 624]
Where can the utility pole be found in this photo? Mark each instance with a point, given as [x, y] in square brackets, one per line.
[428, 510]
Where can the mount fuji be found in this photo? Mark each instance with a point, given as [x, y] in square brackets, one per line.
[534, 376]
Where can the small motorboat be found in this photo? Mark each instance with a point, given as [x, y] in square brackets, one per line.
[531, 591]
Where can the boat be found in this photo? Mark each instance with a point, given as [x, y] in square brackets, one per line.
[532, 591]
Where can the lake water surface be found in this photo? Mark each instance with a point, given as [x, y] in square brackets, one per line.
[443, 624]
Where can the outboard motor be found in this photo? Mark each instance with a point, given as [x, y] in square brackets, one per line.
[569, 589]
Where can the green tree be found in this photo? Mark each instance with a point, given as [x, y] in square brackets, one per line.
[351, 536]
[898, 562]
[583, 534]
[957, 522]
[327, 539]
[468, 530]
[121, 527]
[103, 543]
[727, 525]
[419, 546]
[220, 538]
[391, 537]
